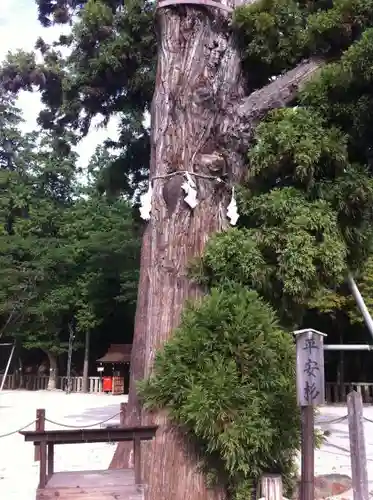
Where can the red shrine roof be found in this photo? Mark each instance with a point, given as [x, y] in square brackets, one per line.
[117, 353]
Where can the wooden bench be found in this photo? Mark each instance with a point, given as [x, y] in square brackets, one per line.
[47, 439]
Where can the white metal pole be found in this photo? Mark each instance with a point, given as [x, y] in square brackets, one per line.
[7, 367]
[360, 303]
[348, 347]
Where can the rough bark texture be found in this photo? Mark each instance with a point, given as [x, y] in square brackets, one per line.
[53, 371]
[199, 75]
[201, 123]
[87, 341]
[243, 116]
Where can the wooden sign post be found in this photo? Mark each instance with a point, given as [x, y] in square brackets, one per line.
[310, 393]
[357, 446]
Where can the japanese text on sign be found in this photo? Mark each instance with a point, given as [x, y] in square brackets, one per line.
[310, 368]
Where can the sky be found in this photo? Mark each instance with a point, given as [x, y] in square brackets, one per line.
[19, 29]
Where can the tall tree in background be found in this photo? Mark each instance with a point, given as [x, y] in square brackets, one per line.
[215, 83]
[114, 77]
[16, 153]
[68, 255]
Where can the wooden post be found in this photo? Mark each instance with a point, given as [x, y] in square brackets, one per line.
[122, 417]
[50, 460]
[271, 487]
[310, 392]
[307, 485]
[357, 446]
[39, 426]
[137, 460]
[43, 465]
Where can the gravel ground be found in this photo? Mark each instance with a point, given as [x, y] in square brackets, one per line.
[19, 473]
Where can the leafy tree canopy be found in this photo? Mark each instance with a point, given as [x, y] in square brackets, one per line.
[110, 70]
[68, 256]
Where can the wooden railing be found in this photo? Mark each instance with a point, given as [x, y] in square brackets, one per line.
[95, 384]
[37, 383]
[28, 382]
[47, 439]
[334, 393]
[337, 393]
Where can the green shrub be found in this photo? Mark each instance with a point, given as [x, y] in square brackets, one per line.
[227, 377]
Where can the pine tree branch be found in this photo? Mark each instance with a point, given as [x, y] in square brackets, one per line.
[278, 93]
[241, 118]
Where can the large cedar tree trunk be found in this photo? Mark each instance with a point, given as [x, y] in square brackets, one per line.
[201, 123]
[198, 76]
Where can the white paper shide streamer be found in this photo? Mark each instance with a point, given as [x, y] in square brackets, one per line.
[146, 203]
[232, 212]
[190, 189]
[189, 186]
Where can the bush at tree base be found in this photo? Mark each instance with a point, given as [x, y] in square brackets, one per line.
[228, 378]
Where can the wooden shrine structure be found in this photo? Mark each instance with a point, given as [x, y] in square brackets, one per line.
[115, 366]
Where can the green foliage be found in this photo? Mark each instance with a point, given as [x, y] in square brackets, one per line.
[290, 247]
[81, 274]
[343, 95]
[270, 34]
[331, 31]
[67, 256]
[110, 70]
[110, 47]
[297, 147]
[231, 385]
[294, 147]
[341, 300]
[277, 34]
[111, 66]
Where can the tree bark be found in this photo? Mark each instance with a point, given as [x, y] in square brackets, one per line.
[53, 371]
[238, 124]
[198, 76]
[201, 123]
[85, 387]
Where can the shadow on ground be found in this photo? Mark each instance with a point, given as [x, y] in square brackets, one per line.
[96, 415]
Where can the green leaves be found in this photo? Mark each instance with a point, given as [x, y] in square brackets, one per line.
[290, 248]
[83, 271]
[302, 225]
[293, 146]
[228, 376]
[343, 95]
[270, 35]
[297, 147]
[66, 255]
[331, 31]
[276, 35]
